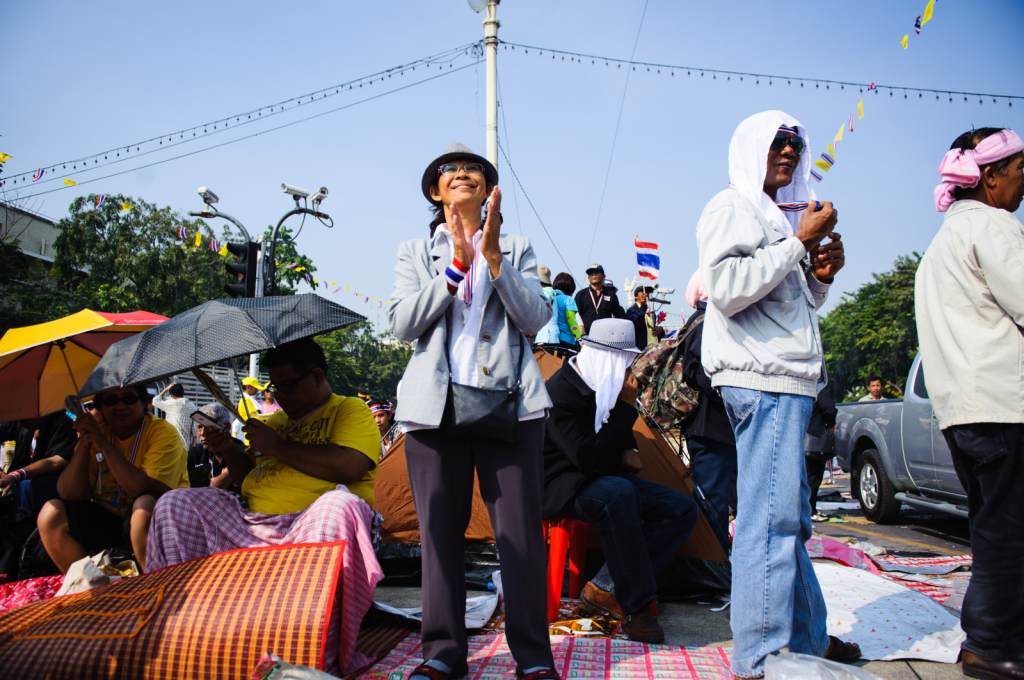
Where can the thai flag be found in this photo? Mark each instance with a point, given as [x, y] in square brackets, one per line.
[871, 87]
[816, 176]
[39, 173]
[182, 233]
[213, 245]
[647, 260]
[100, 199]
[917, 24]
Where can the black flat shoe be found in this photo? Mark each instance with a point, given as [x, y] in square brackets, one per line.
[842, 652]
[975, 666]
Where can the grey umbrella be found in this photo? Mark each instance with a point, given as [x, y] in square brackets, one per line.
[213, 332]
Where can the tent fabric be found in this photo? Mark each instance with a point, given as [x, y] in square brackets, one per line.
[206, 618]
[660, 465]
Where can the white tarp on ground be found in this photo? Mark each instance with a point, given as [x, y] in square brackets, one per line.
[478, 610]
[887, 620]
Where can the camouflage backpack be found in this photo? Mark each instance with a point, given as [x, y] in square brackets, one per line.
[663, 393]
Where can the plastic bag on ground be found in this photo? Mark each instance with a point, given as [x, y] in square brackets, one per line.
[496, 580]
[271, 667]
[788, 666]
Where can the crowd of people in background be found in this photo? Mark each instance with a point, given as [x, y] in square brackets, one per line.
[301, 464]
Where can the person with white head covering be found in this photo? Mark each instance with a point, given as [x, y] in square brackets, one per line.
[590, 467]
[766, 273]
[969, 298]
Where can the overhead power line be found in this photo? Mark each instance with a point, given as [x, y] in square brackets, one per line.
[771, 78]
[262, 132]
[124, 153]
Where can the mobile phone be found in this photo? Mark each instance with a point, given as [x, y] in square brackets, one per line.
[205, 420]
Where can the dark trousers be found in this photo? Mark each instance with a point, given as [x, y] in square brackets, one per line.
[642, 527]
[37, 491]
[511, 485]
[713, 468]
[815, 474]
[989, 460]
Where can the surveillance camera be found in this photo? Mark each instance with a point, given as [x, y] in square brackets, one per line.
[207, 195]
[294, 191]
[319, 196]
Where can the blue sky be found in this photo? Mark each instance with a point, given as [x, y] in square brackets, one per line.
[83, 78]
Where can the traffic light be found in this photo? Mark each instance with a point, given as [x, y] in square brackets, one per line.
[244, 270]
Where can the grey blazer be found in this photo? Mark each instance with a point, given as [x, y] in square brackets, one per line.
[421, 303]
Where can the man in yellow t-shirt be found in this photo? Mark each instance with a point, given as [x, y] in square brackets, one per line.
[109, 488]
[289, 474]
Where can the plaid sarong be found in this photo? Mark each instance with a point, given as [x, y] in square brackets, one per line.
[192, 523]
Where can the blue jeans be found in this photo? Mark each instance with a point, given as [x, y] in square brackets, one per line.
[642, 527]
[711, 466]
[776, 599]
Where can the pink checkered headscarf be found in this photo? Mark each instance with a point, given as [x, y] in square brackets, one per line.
[960, 167]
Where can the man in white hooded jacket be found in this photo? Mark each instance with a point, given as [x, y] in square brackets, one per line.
[766, 274]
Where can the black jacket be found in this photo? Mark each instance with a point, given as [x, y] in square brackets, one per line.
[638, 315]
[710, 421]
[573, 454]
[608, 306]
[57, 437]
[820, 438]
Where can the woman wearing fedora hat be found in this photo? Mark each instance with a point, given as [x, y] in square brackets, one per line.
[473, 399]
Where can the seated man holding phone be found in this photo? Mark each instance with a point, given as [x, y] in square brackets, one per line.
[206, 466]
[307, 475]
[109, 487]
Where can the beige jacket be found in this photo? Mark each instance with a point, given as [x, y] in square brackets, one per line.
[969, 298]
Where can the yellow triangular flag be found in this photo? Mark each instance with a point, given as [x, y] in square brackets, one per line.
[223, 250]
[315, 281]
[346, 287]
[823, 165]
[332, 283]
[377, 298]
[839, 135]
[299, 269]
[126, 207]
[926, 17]
[860, 109]
[199, 239]
[4, 157]
[831, 151]
[70, 183]
[904, 41]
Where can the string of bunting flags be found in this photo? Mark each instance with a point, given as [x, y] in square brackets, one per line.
[921, 20]
[313, 281]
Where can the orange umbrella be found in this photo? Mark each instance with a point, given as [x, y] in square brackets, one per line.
[42, 364]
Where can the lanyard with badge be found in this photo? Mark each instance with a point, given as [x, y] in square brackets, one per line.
[596, 303]
[121, 502]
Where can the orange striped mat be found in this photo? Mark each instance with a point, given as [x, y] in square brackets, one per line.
[212, 617]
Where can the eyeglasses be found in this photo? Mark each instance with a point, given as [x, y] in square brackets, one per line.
[795, 142]
[113, 400]
[452, 168]
[287, 388]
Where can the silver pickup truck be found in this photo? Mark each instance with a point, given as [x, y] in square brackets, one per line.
[896, 454]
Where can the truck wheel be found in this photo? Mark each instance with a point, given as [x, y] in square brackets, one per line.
[874, 490]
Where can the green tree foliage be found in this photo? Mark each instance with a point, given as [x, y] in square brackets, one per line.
[358, 358]
[286, 253]
[873, 332]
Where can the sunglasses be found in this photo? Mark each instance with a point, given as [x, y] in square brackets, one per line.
[113, 400]
[452, 168]
[287, 388]
[795, 142]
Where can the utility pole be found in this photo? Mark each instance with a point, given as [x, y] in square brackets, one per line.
[491, 25]
[254, 359]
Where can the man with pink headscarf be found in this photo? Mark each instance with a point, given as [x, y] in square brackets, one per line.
[969, 299]
[709, 437]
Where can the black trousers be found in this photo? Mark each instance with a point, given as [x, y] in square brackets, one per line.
[989, 460]
[511, 485]
[815, 473]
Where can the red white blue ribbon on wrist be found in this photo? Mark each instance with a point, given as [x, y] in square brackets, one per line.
[454, 274]
[797, 206]
[18, 475]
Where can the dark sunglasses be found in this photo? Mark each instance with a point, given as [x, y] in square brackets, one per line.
[113, 400]
[795, 142]
[452, 168]
[287, 388]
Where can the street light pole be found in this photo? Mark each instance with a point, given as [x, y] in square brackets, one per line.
[491, 25]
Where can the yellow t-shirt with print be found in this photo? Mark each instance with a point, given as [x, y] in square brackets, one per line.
[161, 455]
[343, 421]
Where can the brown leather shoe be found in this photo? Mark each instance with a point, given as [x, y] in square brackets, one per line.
[643, 627]
[841, 651]
[595, 598]
[975, 666]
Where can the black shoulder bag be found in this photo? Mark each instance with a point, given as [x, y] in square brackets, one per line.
[481, 412]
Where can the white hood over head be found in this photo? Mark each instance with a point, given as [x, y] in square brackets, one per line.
[748, 165]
